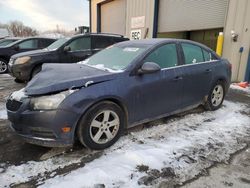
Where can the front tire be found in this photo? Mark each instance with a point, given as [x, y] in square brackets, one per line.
[3, 66]
[101, 126]
[216, 96]
[19, 81]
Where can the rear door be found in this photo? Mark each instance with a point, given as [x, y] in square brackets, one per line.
[197, 73]
[80, 49]
[101, 42]
[159, 93]
[43, 43]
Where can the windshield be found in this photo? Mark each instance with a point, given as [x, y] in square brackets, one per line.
[57, 44]
[6, 42]
[114, 58]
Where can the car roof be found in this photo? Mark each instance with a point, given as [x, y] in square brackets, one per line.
[157, 41]
[100, 34]
[23, 39]
[12, 38]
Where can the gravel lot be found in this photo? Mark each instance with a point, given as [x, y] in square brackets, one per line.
[192, 149]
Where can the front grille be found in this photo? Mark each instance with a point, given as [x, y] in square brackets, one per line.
[13, 105]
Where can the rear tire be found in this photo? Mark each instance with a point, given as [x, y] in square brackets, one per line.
[216, 96]
[101, 126]
[3, 66]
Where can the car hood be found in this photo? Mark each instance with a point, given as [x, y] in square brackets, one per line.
[32, 53]
[59, 77]
[3, 49]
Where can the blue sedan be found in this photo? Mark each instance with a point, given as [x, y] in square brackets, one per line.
[122, 86]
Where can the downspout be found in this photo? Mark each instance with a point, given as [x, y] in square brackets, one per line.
[98, 21]
[156, 16]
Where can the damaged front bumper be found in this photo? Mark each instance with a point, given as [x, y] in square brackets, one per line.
[43, 128]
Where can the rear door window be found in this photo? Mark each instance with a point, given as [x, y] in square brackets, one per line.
[79, 44]
[165, 56]
[43, 43]
[100, 42]
[29, 44]
[192, 53]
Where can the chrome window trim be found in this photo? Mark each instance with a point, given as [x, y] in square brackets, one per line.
[185, 65]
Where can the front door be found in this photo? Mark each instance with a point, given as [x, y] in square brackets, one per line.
[80, 49]
[158, 93]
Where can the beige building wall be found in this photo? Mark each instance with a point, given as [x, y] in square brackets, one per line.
[140, 8]
[94, 14]
[135, 8]
[238, 20]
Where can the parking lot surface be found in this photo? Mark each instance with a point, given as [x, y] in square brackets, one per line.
[192, 149]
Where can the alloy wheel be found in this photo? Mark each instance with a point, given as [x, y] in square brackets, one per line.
[217, 95]
[104, 127]
[3, 67]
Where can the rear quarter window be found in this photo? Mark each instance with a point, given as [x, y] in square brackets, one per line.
[208, 56]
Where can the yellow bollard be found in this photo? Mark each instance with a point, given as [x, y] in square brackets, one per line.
[220, 44]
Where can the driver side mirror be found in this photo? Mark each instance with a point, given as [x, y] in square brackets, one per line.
[66, 49]
[149, 67]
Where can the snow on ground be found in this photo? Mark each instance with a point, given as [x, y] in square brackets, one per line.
[179, 150]
[24, 172]
[5, 75]
[236, 87]
[3, 113]
[181, 145]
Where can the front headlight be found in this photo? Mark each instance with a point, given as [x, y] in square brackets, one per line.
[49, 102]
[22, 60]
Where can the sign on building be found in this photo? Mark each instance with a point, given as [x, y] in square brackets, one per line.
[137, 22]
[135, 34]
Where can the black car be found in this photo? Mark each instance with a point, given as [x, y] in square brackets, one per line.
[24, 66]
[122, 86]
[19, 46]
[7, 41]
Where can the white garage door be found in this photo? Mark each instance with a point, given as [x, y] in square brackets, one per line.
[113, 17]
[185, 15]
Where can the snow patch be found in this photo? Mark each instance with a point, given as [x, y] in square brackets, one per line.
[99, 66]
[3, 113]
[236, 87]
[18, 95]
[25, 172]
[187, 145]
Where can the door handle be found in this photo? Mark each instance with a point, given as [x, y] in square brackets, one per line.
[208, 70]
[178, 78]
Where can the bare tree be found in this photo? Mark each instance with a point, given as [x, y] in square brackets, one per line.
[20, 30]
